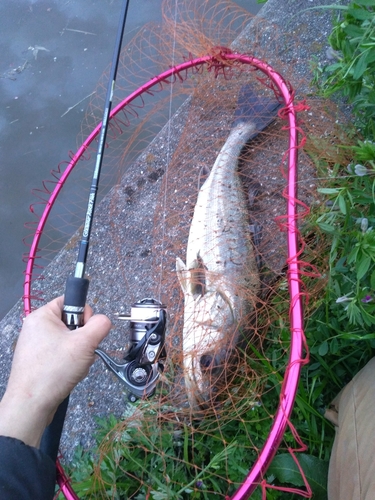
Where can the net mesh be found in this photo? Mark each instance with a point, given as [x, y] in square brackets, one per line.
[157, 153]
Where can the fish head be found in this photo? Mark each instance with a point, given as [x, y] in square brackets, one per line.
[209, 335]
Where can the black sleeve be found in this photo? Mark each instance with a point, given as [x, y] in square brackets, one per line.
[25, 472]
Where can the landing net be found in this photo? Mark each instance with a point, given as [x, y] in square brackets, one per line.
[164, 132]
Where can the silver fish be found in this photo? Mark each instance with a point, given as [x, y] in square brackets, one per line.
[221, 271]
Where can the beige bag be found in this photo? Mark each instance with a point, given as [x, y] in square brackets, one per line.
[351, 473]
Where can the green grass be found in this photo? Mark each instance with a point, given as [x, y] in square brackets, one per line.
[352, 73]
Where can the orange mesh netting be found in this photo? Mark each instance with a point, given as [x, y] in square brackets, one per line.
[161, 146]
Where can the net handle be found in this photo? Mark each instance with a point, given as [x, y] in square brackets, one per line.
[218, 62]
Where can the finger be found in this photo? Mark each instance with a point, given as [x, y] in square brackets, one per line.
[88, 312]
[51, 309]
[56, 305]
[96, 328]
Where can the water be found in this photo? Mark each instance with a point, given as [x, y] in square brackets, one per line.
[53, 53]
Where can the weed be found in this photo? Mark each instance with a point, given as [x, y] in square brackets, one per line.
[352, 73]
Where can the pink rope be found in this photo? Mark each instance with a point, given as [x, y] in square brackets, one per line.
[219, 62]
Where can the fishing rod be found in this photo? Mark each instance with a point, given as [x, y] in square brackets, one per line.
[77, 285]
[144, 360]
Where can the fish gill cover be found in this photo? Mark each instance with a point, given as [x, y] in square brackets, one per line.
[220, 390]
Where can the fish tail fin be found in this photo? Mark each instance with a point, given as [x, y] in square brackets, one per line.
[261, 111]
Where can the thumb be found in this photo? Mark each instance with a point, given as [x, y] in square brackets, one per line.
[96, 329]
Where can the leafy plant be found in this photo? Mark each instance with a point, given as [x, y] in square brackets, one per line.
[139, 463]
[285, 469]
[353, 71]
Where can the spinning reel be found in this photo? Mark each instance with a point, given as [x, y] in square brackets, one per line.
[145, 359]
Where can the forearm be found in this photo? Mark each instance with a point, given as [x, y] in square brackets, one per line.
[23, 418]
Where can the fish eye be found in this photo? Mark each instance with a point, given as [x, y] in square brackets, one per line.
[206, 361]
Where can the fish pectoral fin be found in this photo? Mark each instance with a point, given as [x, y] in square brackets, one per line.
[203, 175]
[256, 233]
[253, 189]
[183, 275]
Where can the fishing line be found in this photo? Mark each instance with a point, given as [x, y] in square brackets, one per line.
[168, 153]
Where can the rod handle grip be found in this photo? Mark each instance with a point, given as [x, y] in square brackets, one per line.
[74, 301]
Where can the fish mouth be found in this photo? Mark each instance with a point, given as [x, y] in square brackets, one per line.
[209, 333]
[207, 375]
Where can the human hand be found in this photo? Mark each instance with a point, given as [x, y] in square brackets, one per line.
[48, 363]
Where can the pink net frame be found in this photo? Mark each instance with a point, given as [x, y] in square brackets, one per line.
[218, 61]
